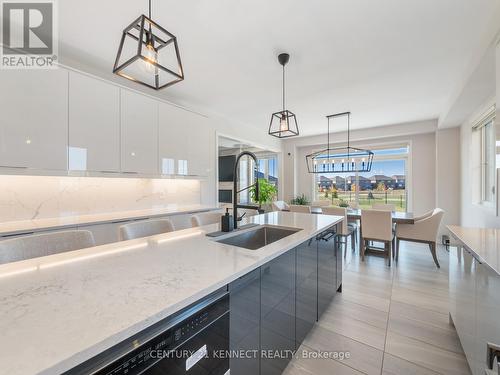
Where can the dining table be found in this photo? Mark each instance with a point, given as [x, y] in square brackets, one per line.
[398, 217]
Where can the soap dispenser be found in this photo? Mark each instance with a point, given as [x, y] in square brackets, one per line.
[226, 222]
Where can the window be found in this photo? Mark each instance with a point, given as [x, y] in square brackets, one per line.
[486, 140]
[268, 168]
[386, 183]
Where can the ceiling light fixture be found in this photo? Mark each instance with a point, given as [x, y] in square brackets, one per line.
[340, 159]
[148, 54]
[283, 123]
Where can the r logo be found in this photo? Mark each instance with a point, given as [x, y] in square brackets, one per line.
[28, 28]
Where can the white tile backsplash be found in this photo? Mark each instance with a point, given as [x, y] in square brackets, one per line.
[37, 197]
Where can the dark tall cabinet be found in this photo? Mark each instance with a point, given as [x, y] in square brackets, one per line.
[328, 273]
[277, 312]
[244, 324]
[307, 289]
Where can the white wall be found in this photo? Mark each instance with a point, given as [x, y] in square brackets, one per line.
[421, 164]
[474, 214]
[448, 175]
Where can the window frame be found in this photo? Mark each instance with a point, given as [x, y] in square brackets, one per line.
[383, 146]
[484, 127]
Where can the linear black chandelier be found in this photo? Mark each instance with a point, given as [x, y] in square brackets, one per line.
[340, 159]
[283, 123]
[149, 54]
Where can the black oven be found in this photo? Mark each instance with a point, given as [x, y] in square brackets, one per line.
[194, 341]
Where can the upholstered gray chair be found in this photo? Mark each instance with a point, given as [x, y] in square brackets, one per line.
[376, 226]
[145, 228]
[345, 230]
[205, 218]
[39, 245]
[424, 230]
[280, 206]
[384, 207]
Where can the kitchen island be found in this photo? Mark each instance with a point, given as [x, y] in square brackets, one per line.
[59, 311]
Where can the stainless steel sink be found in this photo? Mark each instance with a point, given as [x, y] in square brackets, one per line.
[256, 238]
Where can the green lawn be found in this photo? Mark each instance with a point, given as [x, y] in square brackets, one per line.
[396, 197]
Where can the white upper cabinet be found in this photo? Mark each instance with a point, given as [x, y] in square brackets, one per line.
[34, 125]
[184, 142]
[200, 144]
[94, 124]
[139, 133]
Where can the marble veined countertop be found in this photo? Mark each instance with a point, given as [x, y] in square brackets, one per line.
[60, 310]
[23, 226]
[483, 242]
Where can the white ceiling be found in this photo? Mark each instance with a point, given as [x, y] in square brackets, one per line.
[387, 61]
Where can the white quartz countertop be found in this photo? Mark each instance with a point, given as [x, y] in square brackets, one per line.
[60, 310]
[483, 242]
[23, 226]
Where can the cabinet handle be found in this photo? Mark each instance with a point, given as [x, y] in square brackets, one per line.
[110, 172]
[12, 167]
[130, 172]
[493, 352]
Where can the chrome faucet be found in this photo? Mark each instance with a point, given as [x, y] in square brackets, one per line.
[235, 186]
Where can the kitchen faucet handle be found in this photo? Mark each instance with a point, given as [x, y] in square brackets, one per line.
[241, 217]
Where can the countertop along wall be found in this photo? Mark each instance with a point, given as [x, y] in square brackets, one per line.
[421, 136]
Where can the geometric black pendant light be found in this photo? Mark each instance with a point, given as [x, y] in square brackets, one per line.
[283, 123]
[345, 159]
[149, 54]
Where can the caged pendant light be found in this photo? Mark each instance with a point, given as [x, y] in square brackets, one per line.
[283, 123]
[340, 159]
[148, 54]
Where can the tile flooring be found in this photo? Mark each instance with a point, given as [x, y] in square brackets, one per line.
[392, 321]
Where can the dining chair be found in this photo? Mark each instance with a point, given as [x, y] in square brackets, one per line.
[145, 228]
[205, 218]
[424, 230]
[354, 205]
[384, 207]
[345, 229]
[377, 227]
[300, 208]
[280, 206]
[322, 203]
[39, 245]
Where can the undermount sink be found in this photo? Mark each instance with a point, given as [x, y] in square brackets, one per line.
[261, 236]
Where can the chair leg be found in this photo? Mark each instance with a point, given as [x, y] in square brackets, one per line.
[362, 245]
[388, 246]
[353, 246]
[432, 246]
[396, 250]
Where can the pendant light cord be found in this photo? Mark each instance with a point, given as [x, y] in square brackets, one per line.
[283, 87]
[149, 9]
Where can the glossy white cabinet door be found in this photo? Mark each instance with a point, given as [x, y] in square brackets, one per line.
[34, 125]
[185, 139]
[487, 314]
[139, 133]
[201, 146]
[94, 124]
[173, 139]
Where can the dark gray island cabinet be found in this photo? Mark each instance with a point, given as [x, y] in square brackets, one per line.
[274, 307]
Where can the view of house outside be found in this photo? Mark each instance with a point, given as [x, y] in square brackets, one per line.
[386, 183]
